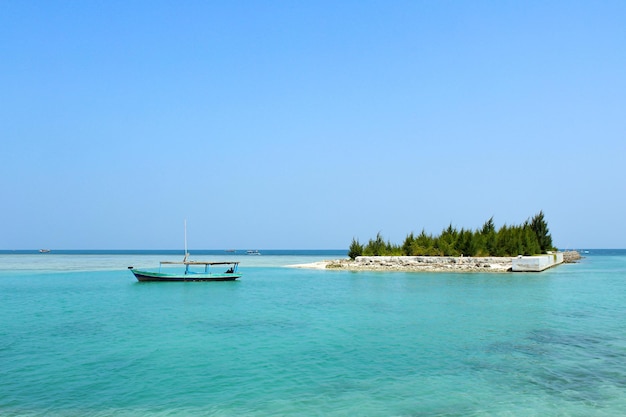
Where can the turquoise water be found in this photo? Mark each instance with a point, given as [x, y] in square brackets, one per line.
[79, 336]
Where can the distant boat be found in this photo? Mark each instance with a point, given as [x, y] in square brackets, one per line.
[253, 252]
[205, 274]
[230, 250]
[44, 250]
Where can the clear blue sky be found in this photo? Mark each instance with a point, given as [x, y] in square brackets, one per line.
[304, 124]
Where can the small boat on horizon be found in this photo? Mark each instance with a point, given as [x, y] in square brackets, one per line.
[44, 250]
[253, 252]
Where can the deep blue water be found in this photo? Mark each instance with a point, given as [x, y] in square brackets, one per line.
[79, 336]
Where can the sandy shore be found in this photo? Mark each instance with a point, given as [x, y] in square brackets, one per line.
[312, 265]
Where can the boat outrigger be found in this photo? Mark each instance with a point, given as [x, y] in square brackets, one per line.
[187, 274]
[230, 274]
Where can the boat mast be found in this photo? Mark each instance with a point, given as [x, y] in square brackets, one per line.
[186, 253]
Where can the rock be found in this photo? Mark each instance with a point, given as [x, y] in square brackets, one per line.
[423, 263]
[571, 256]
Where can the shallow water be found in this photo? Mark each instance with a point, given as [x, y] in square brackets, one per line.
[79, 336]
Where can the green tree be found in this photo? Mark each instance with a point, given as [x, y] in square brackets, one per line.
[375, 247]
[356, 249]
[488, 232]
[503, 241]
[467, 243]
[424, 245]
[446, 242]
[540, 227]
[408, 243]
[392, 250]
[529, 240]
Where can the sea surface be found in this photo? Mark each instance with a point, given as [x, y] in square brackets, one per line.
[79, 336]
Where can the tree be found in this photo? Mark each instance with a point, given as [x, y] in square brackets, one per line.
[424, 245]
[503, 240]
[531, 238]
[467, 242]
[408, 243]
[375, 247]
[488, 232]
[447, 241]
[540, 227]
[356, 249]
[478, 245]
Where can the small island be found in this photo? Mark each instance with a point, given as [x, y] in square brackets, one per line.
[525, 248]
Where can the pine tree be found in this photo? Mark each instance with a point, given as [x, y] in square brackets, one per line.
[540, 227]
[488, 233]
[356, 249]
[447, 241]
[407, 245]
[375, 247]
[531, 238]
[423, 245]
[531, 245]
[464, 243]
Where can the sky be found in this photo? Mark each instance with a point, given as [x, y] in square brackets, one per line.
[303, 125]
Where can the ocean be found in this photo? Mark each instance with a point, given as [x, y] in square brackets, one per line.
[79, 336]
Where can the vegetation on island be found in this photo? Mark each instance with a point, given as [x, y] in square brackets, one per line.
[530, 238]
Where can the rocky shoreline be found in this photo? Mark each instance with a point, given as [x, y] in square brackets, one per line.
[426, 263]
[571, 256]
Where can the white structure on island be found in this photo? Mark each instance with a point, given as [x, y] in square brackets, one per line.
[537, 263]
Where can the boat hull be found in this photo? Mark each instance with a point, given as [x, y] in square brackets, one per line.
[146, 276]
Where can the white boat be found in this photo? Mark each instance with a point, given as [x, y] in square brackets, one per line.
[253, 252]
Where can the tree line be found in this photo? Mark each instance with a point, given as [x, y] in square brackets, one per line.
[530, 238]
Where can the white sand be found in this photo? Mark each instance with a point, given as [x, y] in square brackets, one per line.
[312, 265]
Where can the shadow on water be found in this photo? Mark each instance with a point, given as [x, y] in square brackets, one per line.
[571, 366]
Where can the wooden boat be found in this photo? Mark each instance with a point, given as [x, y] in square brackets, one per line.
[188, 274]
